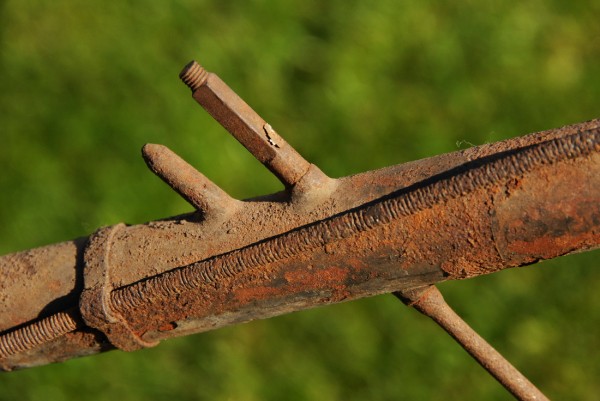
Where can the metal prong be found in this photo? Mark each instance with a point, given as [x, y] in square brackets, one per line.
[188, 182]
[430, 302]
[245, 124]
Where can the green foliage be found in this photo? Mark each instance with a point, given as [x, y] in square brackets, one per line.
[354, 86]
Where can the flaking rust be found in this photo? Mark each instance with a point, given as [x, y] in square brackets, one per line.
[319, 241]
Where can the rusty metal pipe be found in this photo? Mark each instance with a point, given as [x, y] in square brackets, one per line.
[382, 225]
[323, 241]
[457, 224]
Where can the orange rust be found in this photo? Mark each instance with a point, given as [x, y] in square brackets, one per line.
[252, 294]
[316, 278]
[539, 220]
[167, 327]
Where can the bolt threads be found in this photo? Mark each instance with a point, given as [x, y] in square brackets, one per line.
[193, 75]
[37, 333]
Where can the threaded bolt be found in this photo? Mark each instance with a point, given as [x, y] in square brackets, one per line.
[221, 102]
[38, 333]
[193, 75]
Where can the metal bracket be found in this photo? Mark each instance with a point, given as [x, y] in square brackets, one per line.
[95, 303]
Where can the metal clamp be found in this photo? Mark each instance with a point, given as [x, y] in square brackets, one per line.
[95, 302]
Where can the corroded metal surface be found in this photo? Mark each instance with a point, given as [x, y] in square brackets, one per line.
[320, 241]
[245, 124]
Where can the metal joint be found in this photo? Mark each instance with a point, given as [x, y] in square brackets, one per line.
[95, 304]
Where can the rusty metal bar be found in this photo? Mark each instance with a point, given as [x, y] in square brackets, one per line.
[244, 124]
[430, 302]
[319, 242]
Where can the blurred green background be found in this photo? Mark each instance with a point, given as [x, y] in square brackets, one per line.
[353, 86]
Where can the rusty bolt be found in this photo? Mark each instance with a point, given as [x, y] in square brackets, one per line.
[244, 124]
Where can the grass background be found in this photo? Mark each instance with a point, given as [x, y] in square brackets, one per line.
[353, 86]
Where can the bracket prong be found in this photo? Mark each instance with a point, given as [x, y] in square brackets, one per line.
[221, 102]
[188, 182]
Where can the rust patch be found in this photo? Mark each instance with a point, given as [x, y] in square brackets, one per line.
[254, 294]
[316, 278]
[555, 211]
[168, 326]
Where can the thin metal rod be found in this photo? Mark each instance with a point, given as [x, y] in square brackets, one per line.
[430, 302]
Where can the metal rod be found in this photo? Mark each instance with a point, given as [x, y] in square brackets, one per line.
[188, 182]
[245, 124]
[430, 302]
